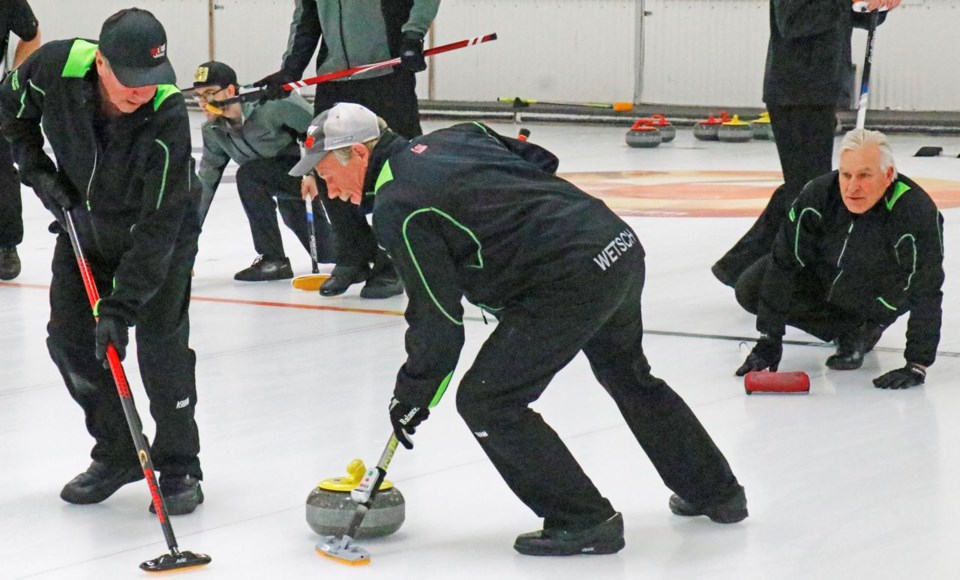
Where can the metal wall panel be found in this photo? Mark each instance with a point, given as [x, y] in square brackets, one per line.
[558, 50]
[916, 61]
[184, 20]
[704, 52]
[695, 52]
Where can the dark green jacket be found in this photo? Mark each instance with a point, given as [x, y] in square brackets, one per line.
[269, 129]
[135, 187]
[880, 264]
[353, 32]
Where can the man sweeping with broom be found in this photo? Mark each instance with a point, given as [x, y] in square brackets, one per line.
[466, 212]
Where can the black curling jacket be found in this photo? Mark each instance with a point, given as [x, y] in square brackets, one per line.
[880, 264]
[466, 212]
[136, 195]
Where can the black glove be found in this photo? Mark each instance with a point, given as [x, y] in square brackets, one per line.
[765, 355]
[411, 51]
[55, 192]
[111, 329]
[273, 85]
[909, 376]
[405, 419]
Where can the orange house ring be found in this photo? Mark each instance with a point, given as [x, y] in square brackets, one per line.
[707, 193]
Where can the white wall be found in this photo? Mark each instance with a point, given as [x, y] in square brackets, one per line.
[691, 52]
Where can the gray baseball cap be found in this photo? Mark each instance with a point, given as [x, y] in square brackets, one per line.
[340, 126]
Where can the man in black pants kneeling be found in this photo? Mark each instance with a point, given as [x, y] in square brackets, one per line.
[466, 212]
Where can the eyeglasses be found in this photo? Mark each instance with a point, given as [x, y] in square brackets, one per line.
[206, 96]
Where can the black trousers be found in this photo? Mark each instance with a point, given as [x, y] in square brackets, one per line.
[266, 187]
[810, 311]
[11, 205]
[804, 136]
[600, 315]
[394, 98]
[167, 364]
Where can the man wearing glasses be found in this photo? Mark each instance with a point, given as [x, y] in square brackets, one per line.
[262, 139]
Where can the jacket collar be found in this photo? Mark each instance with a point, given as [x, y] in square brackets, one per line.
[388, 144]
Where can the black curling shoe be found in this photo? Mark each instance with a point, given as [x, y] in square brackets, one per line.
[729, 511]
[181, 494]
[98, 482]
[603, 538]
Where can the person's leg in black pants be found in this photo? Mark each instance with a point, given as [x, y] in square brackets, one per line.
[809, 309]
[680, 449]
[804, 136]
[167, 368]
[11, 215]
[264, 186]
[70, 341]
[600, 314]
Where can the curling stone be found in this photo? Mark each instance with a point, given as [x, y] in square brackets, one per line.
[735, 131]
[330, 509]
[667, 131]
[707, 129]
[643, 134]
[761, 127]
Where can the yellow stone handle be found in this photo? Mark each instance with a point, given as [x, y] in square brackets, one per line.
[355, 472]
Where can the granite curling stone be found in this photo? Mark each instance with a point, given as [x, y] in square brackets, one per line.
[330, 509]
[643, 134]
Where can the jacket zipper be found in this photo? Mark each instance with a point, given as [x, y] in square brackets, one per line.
[343, 41]
[840, 259]
[93, 172]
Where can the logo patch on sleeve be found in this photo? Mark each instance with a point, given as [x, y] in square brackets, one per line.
[418, 149]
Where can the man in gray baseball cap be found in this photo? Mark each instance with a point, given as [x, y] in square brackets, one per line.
[339, 127]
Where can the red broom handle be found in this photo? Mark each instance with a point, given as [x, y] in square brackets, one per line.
[349, 72]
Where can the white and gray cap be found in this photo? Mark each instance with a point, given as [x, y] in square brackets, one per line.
[340, 126]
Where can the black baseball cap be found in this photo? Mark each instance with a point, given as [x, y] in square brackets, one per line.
[214, 73]
[135, 44]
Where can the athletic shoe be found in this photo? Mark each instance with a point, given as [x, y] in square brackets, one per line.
[263, 269]
[603, 538]
[851, 346]
[383, 285]
[181, 494]
[9, 263]
[342, 277]
[99, 482]
[729, 511]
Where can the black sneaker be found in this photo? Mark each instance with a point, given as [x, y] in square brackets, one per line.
[603, 538]
[263, 269]
[181, 494]
[99, 482]
[383, 285]
[729, 511]
[851, 346]
[9, 263]
[342, 277]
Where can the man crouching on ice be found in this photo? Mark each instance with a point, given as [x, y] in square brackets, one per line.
[465, 212]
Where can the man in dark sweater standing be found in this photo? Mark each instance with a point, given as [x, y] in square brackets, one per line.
[120, 134]
[467, 213]
[801, 88]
